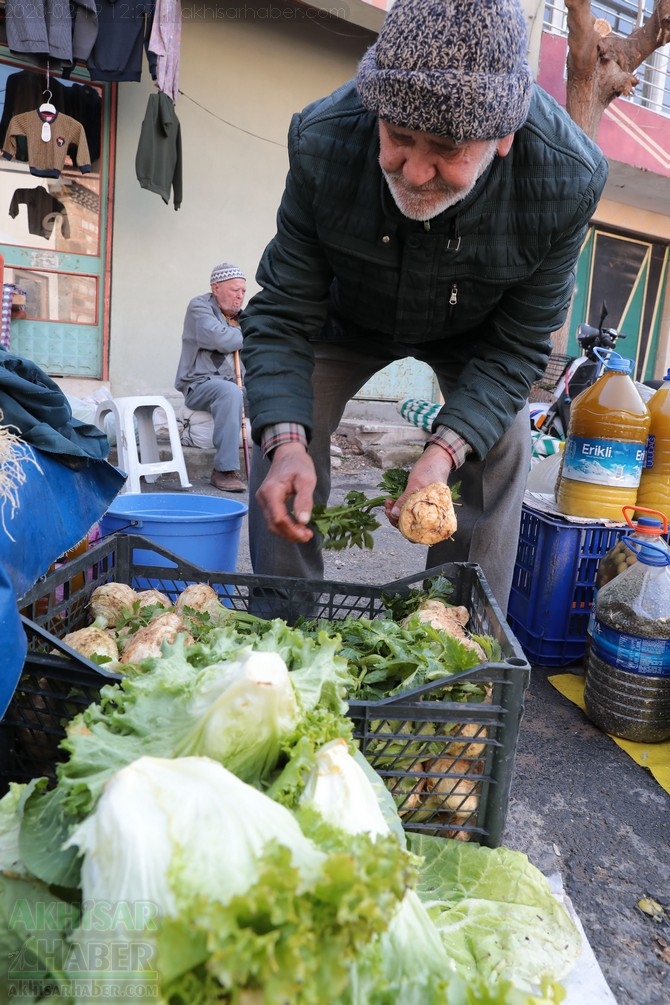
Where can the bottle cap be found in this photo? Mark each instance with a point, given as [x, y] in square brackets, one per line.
[613, 360]
[648, 525]
[619, 364]
[667, 375]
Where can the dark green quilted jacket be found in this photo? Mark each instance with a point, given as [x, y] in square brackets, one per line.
[484, 287]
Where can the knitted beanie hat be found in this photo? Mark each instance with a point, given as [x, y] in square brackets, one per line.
[225, 271]
[454, 68]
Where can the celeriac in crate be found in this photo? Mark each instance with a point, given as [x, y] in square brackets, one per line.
[443, 739]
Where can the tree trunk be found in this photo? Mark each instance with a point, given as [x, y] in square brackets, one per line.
[601, 65]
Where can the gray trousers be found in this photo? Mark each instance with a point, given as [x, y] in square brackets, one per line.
[491, 491]
[223, 399]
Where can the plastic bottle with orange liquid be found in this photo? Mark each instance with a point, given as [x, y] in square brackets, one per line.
[605, 446]
[654, 490]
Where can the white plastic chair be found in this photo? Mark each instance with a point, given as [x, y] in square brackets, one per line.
[137, 441]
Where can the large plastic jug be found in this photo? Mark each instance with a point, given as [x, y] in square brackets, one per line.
[654, 490]
[627, 687]
[605, 446]
[542, 476]
[650, 526]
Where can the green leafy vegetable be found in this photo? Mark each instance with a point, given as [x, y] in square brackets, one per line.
[214, 819]
[10, 822]
[351, 523]
[386, 658]
[242, 897]
[340, 790]
[496, 912]
[400, 606]
[412, 961]
[238, 710]
[34, 923]
[45, 827]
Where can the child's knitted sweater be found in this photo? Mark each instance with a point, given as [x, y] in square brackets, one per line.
[46, 158]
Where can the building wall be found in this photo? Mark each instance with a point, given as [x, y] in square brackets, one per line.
[241, 81]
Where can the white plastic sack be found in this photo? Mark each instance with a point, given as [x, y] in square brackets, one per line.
[198, 429]
[84, 409]
[161, 424]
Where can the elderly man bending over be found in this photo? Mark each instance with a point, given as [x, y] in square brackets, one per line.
[434, 209]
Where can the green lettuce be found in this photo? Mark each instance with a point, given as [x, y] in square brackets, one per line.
[217, 890]
[495, 912]
[34, 924]
[412, 961]
[10, 824]
[239, 710]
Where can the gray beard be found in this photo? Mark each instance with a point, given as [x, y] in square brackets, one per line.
[426, 203]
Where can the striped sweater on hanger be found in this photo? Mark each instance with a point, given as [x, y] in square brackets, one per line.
[46, 158]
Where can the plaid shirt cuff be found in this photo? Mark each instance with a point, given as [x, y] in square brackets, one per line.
[457, 448]
[282, 432]
[292, 432]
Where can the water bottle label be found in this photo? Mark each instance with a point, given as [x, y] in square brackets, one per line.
[649, 452]
[615, 463]
[643, 656]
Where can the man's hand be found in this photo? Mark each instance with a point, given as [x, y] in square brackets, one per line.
[291, 474]
[434, 465]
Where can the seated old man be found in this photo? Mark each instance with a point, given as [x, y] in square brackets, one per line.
[206, 372]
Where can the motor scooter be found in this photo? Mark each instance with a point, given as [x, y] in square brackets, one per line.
[578, 374]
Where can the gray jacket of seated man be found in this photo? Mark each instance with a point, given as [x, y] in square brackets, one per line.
[206, 374]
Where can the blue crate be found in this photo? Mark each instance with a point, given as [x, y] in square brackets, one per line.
[554, 584]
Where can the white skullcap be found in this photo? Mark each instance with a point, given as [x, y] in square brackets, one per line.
[225, 271]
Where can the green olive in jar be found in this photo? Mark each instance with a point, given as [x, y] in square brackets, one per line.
[616, 561]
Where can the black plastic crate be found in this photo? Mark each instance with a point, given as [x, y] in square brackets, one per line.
[462, 753]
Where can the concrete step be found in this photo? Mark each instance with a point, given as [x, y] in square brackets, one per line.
[199, 462]
[387, 444]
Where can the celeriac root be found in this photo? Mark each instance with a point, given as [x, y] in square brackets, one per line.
[427, 515]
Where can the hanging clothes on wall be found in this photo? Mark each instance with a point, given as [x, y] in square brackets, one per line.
[158, 160]
[84, 28]
[83, 103]
[46, 156]
[123, 33]
[164, 47]
[61, 31]
[44, 209]
[23, 93]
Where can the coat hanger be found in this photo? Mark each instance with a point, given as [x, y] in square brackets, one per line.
[47, 108]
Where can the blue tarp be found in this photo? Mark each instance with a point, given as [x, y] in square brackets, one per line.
[64, 488]
[57, 506]
[33, 405]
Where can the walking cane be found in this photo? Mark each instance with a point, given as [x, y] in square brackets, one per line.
[238, 381]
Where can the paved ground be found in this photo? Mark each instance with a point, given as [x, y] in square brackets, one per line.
[580, 806]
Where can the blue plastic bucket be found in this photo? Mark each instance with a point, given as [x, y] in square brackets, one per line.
[202, 530]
